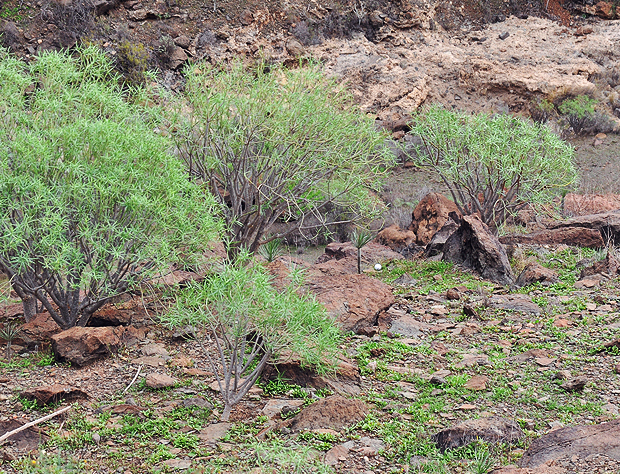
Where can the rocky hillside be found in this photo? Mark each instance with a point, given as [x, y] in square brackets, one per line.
[489, 55]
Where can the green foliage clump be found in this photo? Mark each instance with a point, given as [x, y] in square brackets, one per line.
[132, 61]
[580, 112]
[251, 322]
[90, 200]
[277, 145]
[493, 165]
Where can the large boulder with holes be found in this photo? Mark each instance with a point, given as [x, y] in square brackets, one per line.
[475, 247]
[81, 346]
[430, 215]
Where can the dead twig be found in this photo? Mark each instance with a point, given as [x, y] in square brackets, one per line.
[6, 436]
[132, 380]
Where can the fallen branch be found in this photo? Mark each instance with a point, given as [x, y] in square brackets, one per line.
[6, 436]
[133, 380]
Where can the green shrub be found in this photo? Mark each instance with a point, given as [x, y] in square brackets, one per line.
[579, 112]
[250, 322]
[543, 111]
[279, 146]
[493, 165]
[90, 200]
[132, 61]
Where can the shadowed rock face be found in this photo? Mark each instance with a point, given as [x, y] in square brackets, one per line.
[491, 430]
[475, 247]
[574, 442]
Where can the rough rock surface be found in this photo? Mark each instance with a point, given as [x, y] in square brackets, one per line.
[345, 380]
[585, 204]
[435, 246]
[159, 381]
[80, 345]
[574, 442]
[430, 215]
[333, 412]
[608, 223]
[39, 330]
[474, 246]
[575, 236]
[396, 238]
[491, 430]
[536, 273]
[53, 393]
[354, 301]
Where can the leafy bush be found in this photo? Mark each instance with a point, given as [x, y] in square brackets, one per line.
[279, 146]
[493, 165]
[90, 201]
[250, 322]
[580, 113]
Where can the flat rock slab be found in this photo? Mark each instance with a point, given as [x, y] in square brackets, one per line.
[520, 303]
[333, 412]
[179, 464]
[26, 440]
[81, 346]
[158, 381]
[151, 361]
[477, 382]
[53, 393]
[212, 433]
[276, 406]
[491, 430]
[574, 442]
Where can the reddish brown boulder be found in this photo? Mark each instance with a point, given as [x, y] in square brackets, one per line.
[430, 215]
[333, 412]
[39, 330]
[475, 247]
[354, 301]
[609, 267]
[607, 223]
[574, 443]
[586, 204]
[536, 273]
[159, 381]
[346, 378]
[80, 345]
[53, 393]
[26, 440]
[574, 236]
[396, 238]
[539, 470]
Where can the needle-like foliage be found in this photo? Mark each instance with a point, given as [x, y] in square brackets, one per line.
[493, 165]
[91, 200]
[279, 146]
[250, 322]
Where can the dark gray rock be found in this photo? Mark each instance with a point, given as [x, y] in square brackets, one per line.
[491, 430]
[475, 247]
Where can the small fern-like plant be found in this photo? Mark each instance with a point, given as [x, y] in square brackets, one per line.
[359, 238]
[9, 332]
[271, 250]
